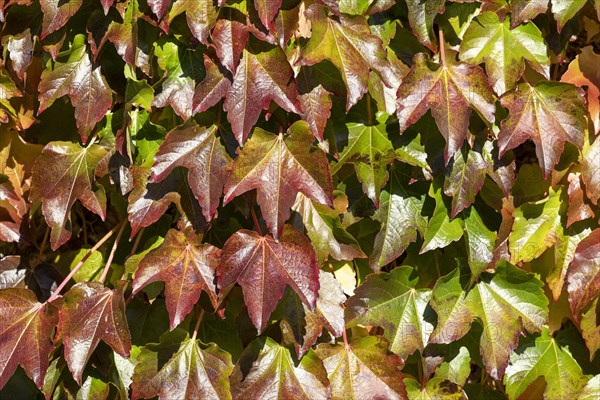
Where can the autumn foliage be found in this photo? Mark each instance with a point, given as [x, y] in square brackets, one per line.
[300, 199]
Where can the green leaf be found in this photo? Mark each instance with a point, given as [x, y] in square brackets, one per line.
[363, 370]
[480, 243]
[547, 359]
[420, 15]
[391, 301]
[267, 370]
[201, 370]
[504, 50]
[440, 231]
[436, 388]
[535, 226]
[505, 303]
[400, 217]
[370, 150]
[591, 390]
[465, 179]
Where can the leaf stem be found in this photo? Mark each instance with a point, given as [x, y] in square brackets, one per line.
[112, 252]
[256, 224]
[137, 241]
[345, 337]
[442, 48]
[56, 293]
[198, 324]
[44, 242]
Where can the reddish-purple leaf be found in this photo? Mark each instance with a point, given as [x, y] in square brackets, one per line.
[213, 87]
[63, 173]
[20, 48]
[448, 91]
[57, 13]
[578, 210]
[159, 7]
[590, 174]
[25, 334]
[464, 179]
[316, 109]
[278, 168]
[264, 74]
[352, 48]
[230, 38]
[200, 151]
[267, 9]
[583, 276]
[548, 113]
[201, 15]
[90, 313]
[106, 5]
[185, 268]
[263, 267]
[82, 82]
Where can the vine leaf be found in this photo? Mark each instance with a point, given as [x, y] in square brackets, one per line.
[526, 10]
[480, 243]
[263, 268]
[465, 179]
[303, 326]
[25, 333]
[421, 15]
[590, 174]
[370, 150]
[201, 16]
[182, 69]
[159, 7]
[351, 47]
[548, 113]
[399, 215]
[267, 370]
[578, 209]
[583, 71]
[267, 9]
[326, 233]
[200, 151]
[213, 87]
[186, 270]
[583, 276]
[506, 303]
[564, 10]
[63, 173]
[448, 91]
[390, 300]
[278, 168]
[202, 370]
[57, 13]
[547, 359]
[504, 50]
[90, 313]
[363, 370]
[316, 109]
[263, 74]
[440, 230]
[535, 226]
[84, 84]
[230, 37]
[20, 48]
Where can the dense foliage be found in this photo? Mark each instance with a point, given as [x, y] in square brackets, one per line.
[307, 199]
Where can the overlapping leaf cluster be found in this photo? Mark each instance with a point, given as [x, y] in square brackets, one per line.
[366, 199]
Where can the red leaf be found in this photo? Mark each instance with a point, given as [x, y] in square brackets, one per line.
[200, 151]
[264, 74]
[230, 38]
[25, 334]
[278, 169]
[90, 313]
[267, 9]
[57, 13]
[583, 276]
[186, 270]
[263, 268]
[316, 110]
[448, 91]
[212, 89]
[63, 173]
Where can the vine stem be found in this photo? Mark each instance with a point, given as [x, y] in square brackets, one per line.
[255, 219]
[60, 287]
[345, 337]
[442, 48]
[112, 252]
[198, 324]
[137, 241]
